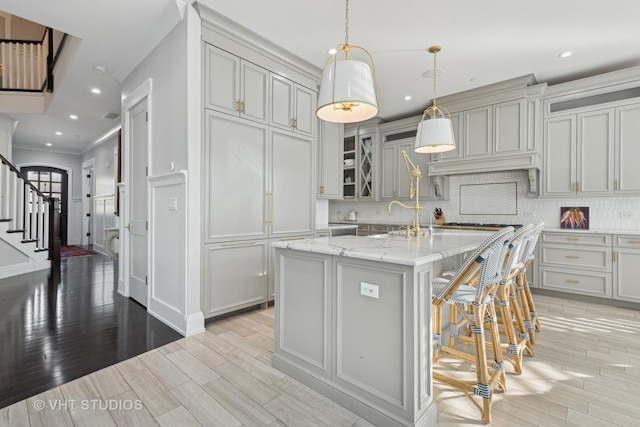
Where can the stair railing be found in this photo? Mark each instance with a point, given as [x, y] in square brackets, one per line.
[27, 65]
[28, 211]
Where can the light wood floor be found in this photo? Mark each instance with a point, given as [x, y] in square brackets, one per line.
[584, 373]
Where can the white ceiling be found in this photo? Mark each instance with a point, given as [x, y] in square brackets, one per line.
[482, 42]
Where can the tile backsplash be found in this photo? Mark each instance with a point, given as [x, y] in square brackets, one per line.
[606, 213]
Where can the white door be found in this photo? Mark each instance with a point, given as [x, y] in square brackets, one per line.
[138, 202]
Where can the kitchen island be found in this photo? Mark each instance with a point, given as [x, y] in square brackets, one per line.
[353, 319]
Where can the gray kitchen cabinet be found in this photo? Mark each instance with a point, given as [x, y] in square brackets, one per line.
[366, 167]
[457, 124]
[627, 150]
[394, 182]
[235, 274]
[478, 133]
[291, 196]
[292, 106]
[626, 270]
[330, 163]
[578, 263]
[579, 154]
[235, 86]
[236, 168]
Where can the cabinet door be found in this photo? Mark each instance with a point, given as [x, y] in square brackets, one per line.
[478, 132]
[403, 182]
[292, 204]
[595, 153]
[282, 112]
[627, 149]
[457, 123]
[389, 171]
[366, 157]
[236, 178]
[235, 276]
[625, 274]
[330, 161]
[305, 110]
[559, 157]
[509, 129]
[222, 80]
[255, 92]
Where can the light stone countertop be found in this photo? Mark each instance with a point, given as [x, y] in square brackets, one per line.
[392, 248]
[324, 227]
[630, 232]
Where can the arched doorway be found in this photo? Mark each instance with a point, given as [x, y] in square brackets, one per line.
[52, 182]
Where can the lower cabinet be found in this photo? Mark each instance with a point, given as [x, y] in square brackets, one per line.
[626, 270]
[235, 276]
[595, 264]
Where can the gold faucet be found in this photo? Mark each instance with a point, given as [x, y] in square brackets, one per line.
[414, 175]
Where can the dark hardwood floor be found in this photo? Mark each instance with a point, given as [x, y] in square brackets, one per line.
[58, 327]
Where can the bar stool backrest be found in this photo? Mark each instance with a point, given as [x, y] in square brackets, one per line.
[517, 251]
[530, 245]
[486, 260]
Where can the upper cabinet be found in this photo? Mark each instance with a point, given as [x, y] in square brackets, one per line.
[330, 160]
[235, 86]
[360, 164]
[495, 127]
[292, 106]
[592, 137]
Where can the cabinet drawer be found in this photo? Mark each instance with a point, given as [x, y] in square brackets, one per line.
[587, 258]
[576, 282]
[577, 238]
[627, 241]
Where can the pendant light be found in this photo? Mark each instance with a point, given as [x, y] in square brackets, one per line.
[435, 133]
[348, 89]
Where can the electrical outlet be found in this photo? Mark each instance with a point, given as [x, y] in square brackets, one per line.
[173, 204]
[369, 290]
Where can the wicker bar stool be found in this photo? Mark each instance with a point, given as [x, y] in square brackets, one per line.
[529, 313]
[484, 268]
[512, 321]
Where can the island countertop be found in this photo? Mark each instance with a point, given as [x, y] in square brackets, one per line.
[393, 248]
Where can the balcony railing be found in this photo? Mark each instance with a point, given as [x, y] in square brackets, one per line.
[27, 65]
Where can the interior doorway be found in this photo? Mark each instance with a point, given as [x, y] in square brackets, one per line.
[53, 183]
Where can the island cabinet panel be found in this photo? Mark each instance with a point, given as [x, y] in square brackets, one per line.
[370, 353]
[305, 320]
[371, 332]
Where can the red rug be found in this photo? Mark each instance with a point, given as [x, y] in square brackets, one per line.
[72, 250]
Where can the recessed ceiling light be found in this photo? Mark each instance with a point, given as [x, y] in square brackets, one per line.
[48, 144]
[565, 54]
[96, 90]
[58, 133]
[407, 98]
[332, 51]
[73, 117]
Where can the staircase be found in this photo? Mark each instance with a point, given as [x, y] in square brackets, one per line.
[28, 225]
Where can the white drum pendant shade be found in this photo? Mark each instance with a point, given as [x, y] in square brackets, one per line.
[347, 92]
[434, 136]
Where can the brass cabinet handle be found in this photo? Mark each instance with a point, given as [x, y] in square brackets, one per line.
[129, 226]
[242, 106]
[238, 106]
[572, 238]
[634, 241]
[616, 185]
[615, 256]
[572, 257]
[270, 208]
[572, 281]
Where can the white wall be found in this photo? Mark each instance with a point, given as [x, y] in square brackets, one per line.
[174, 116]
[605, 212]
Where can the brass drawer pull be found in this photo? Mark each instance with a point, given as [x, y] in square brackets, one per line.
[239, 243]
[572, 257]
[634, 241]
[573, 238]
[572, 281]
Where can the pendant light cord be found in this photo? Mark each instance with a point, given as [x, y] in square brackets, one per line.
[346, 23]
[435, 74]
